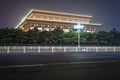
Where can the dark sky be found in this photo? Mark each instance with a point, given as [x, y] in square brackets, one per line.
[106, 12]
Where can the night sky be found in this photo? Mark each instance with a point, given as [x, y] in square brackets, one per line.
[106, 12]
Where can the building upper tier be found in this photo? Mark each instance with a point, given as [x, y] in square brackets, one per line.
[58, 17]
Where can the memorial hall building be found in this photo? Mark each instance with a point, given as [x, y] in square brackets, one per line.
[49, 20]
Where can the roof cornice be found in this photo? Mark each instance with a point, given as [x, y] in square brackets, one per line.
[62, 13]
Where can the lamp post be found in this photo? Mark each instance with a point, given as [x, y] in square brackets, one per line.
[79, 27]
[78, 37]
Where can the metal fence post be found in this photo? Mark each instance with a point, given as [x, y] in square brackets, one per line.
[64, 49]
[87, 49]
[96, 49]
[39, 49]
[8, 50]
[114, 49]
[52, 49]
[24, 51]
[76, 49]
[106, 49]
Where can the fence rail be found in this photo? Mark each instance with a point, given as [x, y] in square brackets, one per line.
[39, 49]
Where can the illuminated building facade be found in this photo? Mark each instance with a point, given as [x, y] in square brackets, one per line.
[49, 20]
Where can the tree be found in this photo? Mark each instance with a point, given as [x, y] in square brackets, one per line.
[58, 37]
[21, 37]
[114, 37]
[59, 34]
[103, 38]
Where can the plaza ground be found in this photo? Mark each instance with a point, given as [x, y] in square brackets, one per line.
[88, 66]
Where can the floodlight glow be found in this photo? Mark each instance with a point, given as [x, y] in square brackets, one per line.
[31, 28]
[79, 26]
[39, 28]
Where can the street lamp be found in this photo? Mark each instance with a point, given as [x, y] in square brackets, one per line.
[78, 27]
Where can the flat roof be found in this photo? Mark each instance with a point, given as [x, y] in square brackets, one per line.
[60, 13]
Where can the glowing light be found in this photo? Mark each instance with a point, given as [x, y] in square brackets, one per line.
[39, 28]
[79, 26]
[66, 30]
[31, 28]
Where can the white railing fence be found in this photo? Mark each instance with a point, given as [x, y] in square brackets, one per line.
[41, 49]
